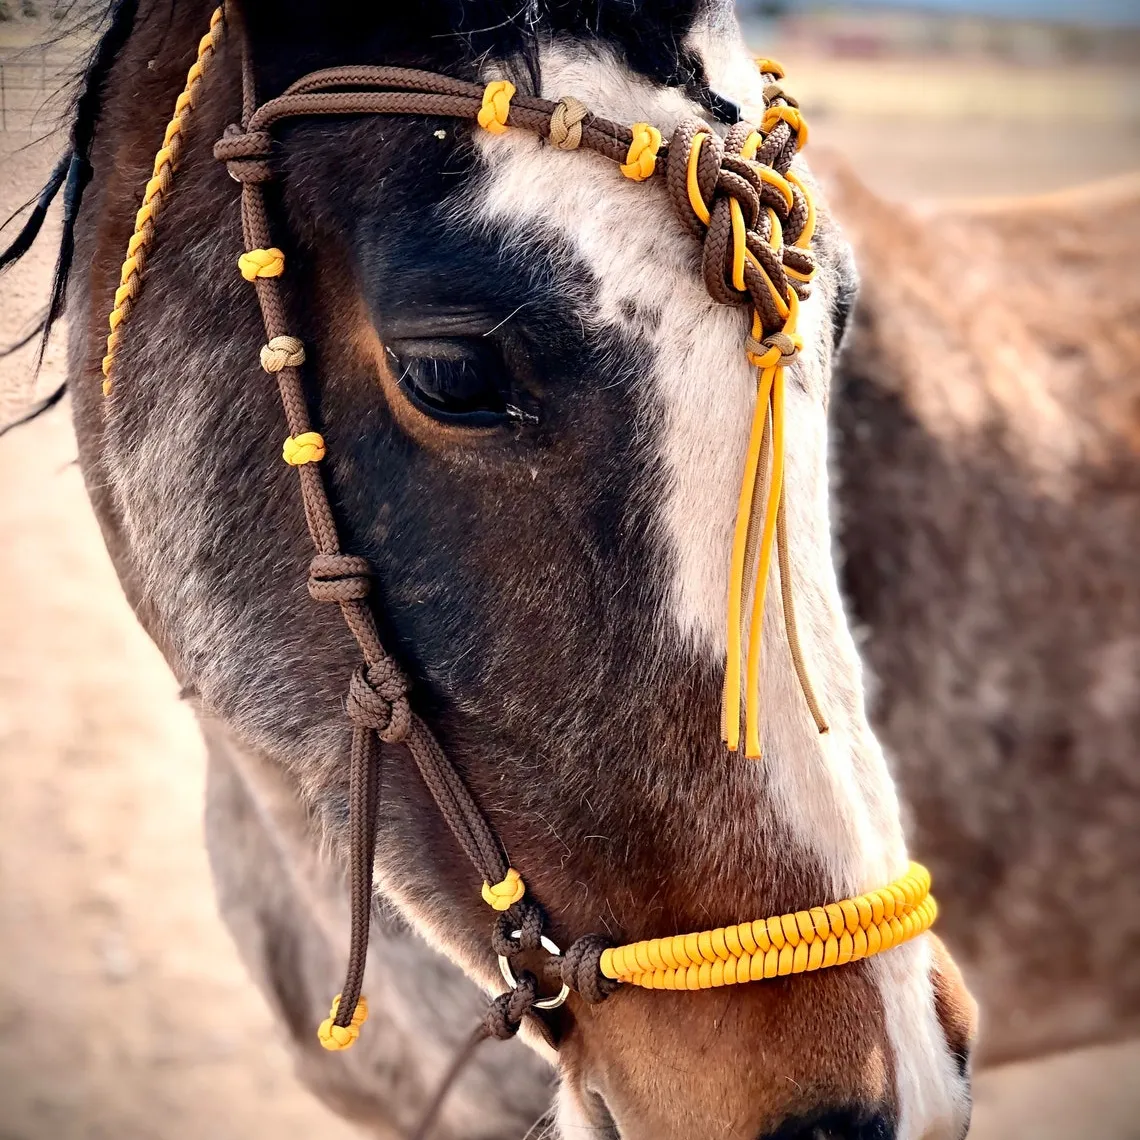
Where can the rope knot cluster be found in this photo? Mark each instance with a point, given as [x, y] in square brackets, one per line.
[339, 578]
[735, 196]
[378, 699]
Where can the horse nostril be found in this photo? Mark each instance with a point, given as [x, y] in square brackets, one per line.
[835, 1124]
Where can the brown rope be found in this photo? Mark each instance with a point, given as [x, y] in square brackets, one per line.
[377, 696]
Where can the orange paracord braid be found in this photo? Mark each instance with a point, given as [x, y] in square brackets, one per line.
[154, 196]
[786, 944]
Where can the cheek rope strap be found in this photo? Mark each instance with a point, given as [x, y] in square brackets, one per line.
[754, 219]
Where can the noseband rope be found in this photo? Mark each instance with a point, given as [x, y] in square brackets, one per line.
[755, 220]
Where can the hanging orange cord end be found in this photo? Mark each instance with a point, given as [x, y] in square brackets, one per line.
[756, 622]
[761, 533]
[740, 550]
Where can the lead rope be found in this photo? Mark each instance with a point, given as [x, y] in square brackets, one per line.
[755, 220]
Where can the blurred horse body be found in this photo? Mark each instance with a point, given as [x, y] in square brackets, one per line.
[987, 463]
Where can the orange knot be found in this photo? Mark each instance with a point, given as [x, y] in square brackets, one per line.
[770, 67]
[496, 106]
[262, 263]
[789, 115]
[308, 447]
[504, 895]
[338, 1037]
[641, 159]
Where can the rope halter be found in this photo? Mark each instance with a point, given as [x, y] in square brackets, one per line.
[755, 221]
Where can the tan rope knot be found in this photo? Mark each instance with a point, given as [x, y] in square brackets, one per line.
[339, 578]
[246, 154]
[282, 352]
[566, 123]
[774, 91]
[377, 699]
[777, 349]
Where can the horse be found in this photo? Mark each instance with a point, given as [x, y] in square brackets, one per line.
[537, 402]
[987, 495]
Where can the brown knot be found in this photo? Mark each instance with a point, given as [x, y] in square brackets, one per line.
[566, 123]
[504, 1015]
[339, 577]
[246, 154]
[582, 969]
[378, 699]
[528, 920]
[725, 181]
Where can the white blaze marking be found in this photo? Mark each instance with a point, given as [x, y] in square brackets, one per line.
[831, 790]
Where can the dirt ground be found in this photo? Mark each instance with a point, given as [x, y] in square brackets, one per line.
[123, 1009]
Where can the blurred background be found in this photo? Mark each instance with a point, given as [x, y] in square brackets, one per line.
[123, 1009]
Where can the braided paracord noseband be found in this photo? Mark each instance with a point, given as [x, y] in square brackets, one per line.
[755, 220]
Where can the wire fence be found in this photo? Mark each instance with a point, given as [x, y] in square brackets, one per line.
[35, 84]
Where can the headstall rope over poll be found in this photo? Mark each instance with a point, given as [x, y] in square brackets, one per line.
[755, 219]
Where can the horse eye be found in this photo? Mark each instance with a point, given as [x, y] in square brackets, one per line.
[459, 381]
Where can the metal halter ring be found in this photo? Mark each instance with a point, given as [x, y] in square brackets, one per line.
[509, 977]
